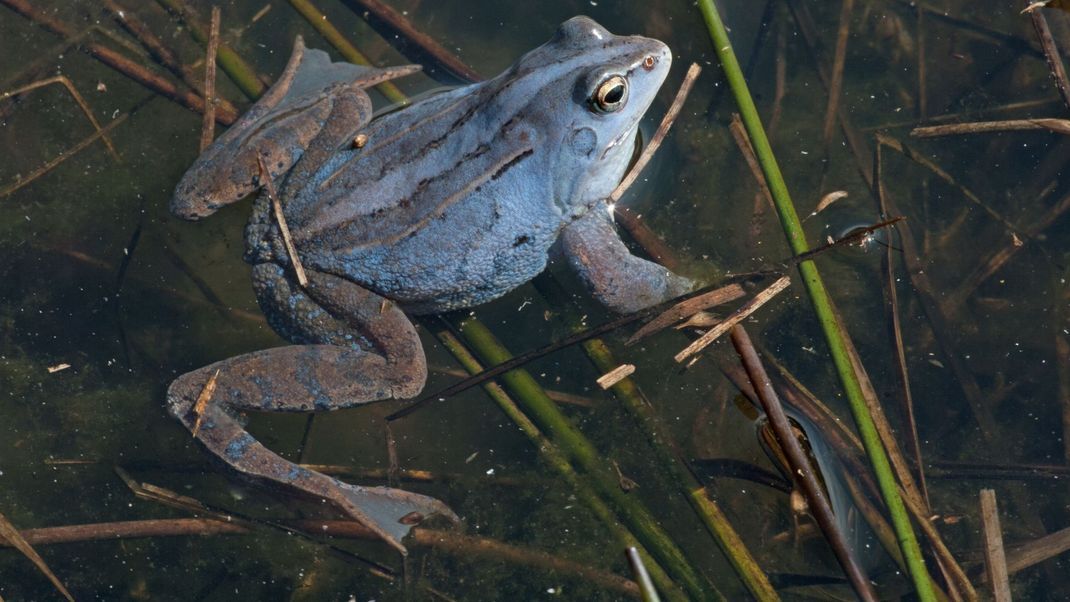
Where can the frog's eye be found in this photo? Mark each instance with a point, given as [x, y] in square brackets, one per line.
[610, 95]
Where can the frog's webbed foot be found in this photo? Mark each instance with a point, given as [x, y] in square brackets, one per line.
[278, 128]
[619, 280]
[376, 355]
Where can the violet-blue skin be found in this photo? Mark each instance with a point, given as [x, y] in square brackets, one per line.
[448, 203]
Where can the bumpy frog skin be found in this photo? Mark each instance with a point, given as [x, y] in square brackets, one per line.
[448, 203]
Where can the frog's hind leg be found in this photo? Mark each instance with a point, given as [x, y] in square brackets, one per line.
[278, 128]
[383, 360]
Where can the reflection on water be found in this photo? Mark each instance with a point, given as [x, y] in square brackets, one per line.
[98, 277]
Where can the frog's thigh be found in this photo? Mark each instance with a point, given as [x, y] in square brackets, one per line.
[333, 311]
[621, 281]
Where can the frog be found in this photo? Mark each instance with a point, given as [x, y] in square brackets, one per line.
[447, 203]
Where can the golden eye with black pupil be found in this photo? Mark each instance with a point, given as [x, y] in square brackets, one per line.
[610, 95]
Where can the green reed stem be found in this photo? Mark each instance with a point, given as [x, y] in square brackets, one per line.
[241, 73]
[557, 460]
[822, 304]
[545, 413]
[323, 26]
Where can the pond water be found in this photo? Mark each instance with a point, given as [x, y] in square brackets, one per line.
[106, 298]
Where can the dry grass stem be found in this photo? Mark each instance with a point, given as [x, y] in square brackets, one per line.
[923, 88]
[63, 156]
[82, 104]
[615, 375]
[208, 123]
[118, 62]
[1037, 551]
[659, 135]
[909, 153]
[1051, 55]
[838, 59]
[734, 318]
[891, 296]
[1059, 126]
[376, 13]
[448, 541]
[739, 134]
[995, 561]
[987, 268]
[16, 540]
[202, 401]
[1062, 364]
[686, 309]
[269, 187]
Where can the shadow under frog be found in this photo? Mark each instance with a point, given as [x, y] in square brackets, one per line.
[448, 203]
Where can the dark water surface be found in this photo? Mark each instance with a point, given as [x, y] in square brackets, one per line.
[96, 275]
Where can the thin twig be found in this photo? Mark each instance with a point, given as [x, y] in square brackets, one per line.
[63, 156]
[686, 309]
[1037, 551]
[836, 84]
[923, 88]
[918, 158]
[381, 16]
[995, 561]
[1059, 126]
[615, 375]
[280, 217]
[894, 325]
[805, 474]
[1051, 55]
[208, 124]
[734, 318]
[656, 140]
[1062, 366]
[66, 83]
[202, 401]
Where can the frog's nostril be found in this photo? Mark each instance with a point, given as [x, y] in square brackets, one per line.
[649, 62]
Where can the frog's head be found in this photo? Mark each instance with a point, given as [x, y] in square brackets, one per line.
[593, 88]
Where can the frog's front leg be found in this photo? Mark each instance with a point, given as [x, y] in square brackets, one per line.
[361, 349]
[619, 280]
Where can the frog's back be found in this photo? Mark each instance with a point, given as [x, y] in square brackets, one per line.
[457, 199]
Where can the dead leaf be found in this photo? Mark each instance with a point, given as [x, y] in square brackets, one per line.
[829, 199]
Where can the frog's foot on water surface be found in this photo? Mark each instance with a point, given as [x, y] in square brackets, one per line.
[300, 378]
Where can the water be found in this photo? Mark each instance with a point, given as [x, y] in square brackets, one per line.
[97, 275]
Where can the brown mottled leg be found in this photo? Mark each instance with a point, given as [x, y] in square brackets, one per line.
[310, 378]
